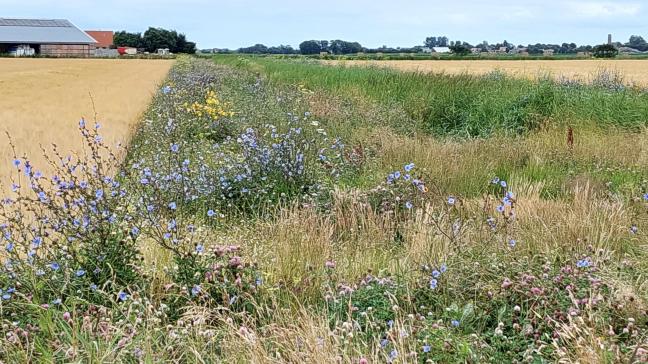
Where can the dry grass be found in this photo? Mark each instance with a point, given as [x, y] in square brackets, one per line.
[42, 101]
[633, 70]
[360, 240]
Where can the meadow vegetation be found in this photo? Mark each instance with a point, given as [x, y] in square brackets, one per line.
[272, 211]
[584, 70]
[466, 104]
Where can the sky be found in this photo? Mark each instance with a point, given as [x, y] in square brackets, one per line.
[373, 23]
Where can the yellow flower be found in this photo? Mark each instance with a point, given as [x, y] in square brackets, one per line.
[212, 107]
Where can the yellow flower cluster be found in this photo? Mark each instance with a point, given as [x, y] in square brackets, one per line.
[303, 89]
[212, 107]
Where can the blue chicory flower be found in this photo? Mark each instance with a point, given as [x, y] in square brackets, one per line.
[196, 290]
[433, 283]
[122, 296]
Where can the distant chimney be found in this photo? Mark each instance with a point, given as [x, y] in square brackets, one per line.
[609, 38]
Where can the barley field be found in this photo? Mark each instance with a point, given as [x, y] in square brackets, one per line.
[633, 70]
[42, 100]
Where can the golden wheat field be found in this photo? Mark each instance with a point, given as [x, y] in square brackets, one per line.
[42, 101]
[632, 70]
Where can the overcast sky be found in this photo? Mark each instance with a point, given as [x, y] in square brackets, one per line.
[232, 24]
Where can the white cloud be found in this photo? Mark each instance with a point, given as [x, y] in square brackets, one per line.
[595, 9]
[235, 23]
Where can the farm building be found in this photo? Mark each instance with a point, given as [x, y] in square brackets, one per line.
[47, 37]
[104, 38]
[441, 50]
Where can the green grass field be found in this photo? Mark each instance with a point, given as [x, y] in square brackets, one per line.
[273, 210]
[468, 105]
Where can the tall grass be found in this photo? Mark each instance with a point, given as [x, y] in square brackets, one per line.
[465, 105]
[443, 263]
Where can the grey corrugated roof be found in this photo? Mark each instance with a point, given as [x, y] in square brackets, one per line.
[49, 31]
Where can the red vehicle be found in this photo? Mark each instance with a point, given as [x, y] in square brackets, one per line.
[126, 50]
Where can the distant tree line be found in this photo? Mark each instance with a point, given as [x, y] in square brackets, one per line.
[262, 49]
[635, 42]
[334, 47]
[459, 47]
[154, 39]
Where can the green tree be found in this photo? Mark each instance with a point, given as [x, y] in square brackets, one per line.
[637, 42]
[605, 51]
[184, 46]
[431, 42]
[255, 49]
[460, 48]
[281, 49]
[310, 47]
[157, 38]
[343, 47]
[126, 39]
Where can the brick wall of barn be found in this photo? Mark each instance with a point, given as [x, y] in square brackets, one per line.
[67, 50]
